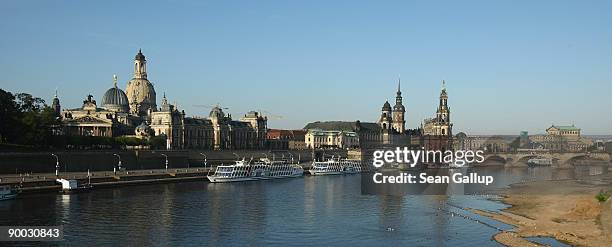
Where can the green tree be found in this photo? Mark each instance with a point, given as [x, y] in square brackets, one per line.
[29, 103]
[9, 113]
[516, 143]
[25, 119]
[35, 120]
[129, 141]
[157, 142]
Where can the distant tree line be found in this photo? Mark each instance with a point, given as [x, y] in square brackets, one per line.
[27, 121]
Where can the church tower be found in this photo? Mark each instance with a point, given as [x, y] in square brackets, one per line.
[399, 111]
[140, 91]
[56, 105]
[386, 118]
[140, 66]
[443, 113]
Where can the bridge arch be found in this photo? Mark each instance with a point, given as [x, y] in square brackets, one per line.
[495, 158]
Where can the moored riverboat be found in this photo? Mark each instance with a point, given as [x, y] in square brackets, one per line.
[539, 162]
[335, 167]
[7, 193]
[263, 169]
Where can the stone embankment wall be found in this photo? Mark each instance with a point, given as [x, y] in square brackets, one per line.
[79, 161]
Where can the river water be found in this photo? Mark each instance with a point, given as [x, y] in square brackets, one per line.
[308, 211]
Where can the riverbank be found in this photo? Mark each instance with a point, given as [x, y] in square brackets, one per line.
[105, 160]
[45, 182]
[565, 210]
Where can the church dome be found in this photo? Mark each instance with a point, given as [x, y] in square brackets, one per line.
[141, 92]
[139, 56]
[116, 100]
[461, 135]
[386, 106]
[216, 112]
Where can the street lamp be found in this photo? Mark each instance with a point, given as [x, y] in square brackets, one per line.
[166, 156]
[118, 163]
[204, 159]
[291, 155]
[56, 164]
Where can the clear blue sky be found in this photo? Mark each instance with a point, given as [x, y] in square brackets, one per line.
[509, 65]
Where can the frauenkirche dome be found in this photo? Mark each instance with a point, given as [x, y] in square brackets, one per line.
[140, 91]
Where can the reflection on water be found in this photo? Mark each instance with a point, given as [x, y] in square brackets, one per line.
[322, 210]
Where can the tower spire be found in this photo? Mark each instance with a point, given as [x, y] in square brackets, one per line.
[399, 83]
[443, 85]
[115, 80]
[56, 105]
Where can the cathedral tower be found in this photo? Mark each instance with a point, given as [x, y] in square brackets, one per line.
[443, 113]
[399, 111]
[140, 91]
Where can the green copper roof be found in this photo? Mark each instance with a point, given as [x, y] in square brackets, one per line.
[568, 127]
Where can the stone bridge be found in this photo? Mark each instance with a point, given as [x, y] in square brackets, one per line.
[561, 160]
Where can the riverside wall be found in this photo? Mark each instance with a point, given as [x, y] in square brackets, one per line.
[80, 161]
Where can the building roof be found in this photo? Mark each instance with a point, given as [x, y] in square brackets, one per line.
[386, 106]
[318, 132]
[286, 134]
[343, 126]
[139, 56]
[564, 127]
[197, 121]
[115, 98]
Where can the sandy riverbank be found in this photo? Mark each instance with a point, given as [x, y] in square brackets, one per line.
[566, 210]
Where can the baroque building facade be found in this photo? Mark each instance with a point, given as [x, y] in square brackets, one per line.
[561, 139]
[218, 131]
[135, 113]
[317, 138]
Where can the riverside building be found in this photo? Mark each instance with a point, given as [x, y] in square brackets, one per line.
[562, 139]
[135, 113]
